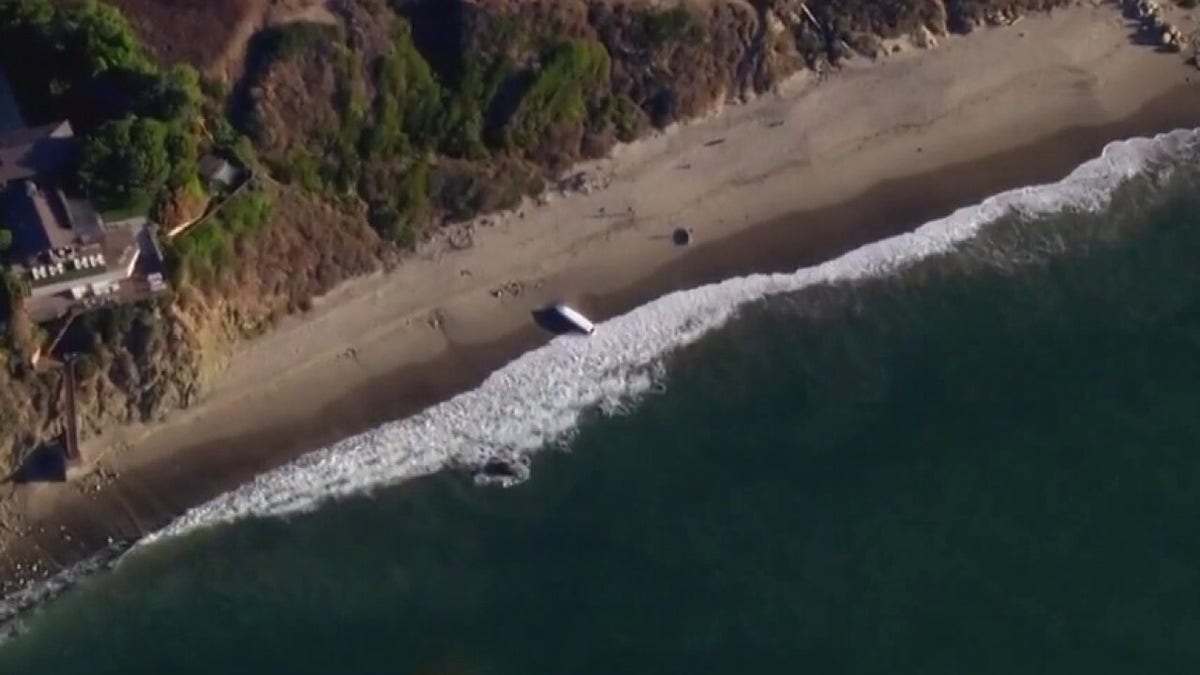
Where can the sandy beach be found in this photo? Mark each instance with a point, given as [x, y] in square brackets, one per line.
[790, 179]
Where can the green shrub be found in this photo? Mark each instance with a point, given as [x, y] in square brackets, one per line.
[655, 27]
[409, 103]
[403, 234]
[52, 53]
[174, 95]
[244, 213]
[344, 168]
[626, 118]
[300, 167]
[12, 290]
[99, 39]
[559, 90]
[201, 251]
[125, 162]
[82, 61]
[290, 39]
[412, 195]
[183, 155]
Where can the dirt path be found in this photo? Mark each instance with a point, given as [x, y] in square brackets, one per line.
[263, 14]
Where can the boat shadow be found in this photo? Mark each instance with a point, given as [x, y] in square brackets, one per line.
[551, 321]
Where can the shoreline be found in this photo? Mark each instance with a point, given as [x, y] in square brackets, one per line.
[865, 179]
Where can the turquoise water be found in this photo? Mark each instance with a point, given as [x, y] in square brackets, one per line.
[988, 463]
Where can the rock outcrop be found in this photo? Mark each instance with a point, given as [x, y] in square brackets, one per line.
[1154, 25]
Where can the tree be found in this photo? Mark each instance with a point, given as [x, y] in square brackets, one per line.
[101, 39]
[12, 293]
[6, 240]
[172, 95]
[125, 162]
[68, 59]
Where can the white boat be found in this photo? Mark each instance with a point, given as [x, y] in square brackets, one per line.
[575, 318]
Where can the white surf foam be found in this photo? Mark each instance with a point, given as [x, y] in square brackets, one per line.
[14, 606]
[538, 399]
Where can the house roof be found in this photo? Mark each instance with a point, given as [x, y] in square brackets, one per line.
[217, 168]
[10, 113]
[38, 218]
[210, 164]
[35, 152]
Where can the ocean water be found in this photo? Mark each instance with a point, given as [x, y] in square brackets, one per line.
[974, 449]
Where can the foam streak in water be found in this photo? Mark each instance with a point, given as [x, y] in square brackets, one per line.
[13, 606]
[539, 398]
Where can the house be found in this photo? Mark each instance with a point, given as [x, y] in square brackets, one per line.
[71, 258]
[44, 152]
[217, 171]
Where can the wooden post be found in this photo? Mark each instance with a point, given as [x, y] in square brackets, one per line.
[72, 440]
[816, 24]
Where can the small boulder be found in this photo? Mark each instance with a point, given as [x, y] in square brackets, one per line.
[498, 469]
[775, 25]
[923, 38]
[1171, 38]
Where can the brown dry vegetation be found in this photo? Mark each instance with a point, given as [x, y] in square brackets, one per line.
[296, 104]
[210, 35]
[196, 32]
[305, 249]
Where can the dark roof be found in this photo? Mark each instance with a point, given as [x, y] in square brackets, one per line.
[216, 168]
[210, 164]
[35, 152]
[38, 218]
[10, 113]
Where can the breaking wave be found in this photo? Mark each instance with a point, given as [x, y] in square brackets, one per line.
[14, 606]
[539, 398]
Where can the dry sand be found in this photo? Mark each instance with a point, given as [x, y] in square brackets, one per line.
[789, 179]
